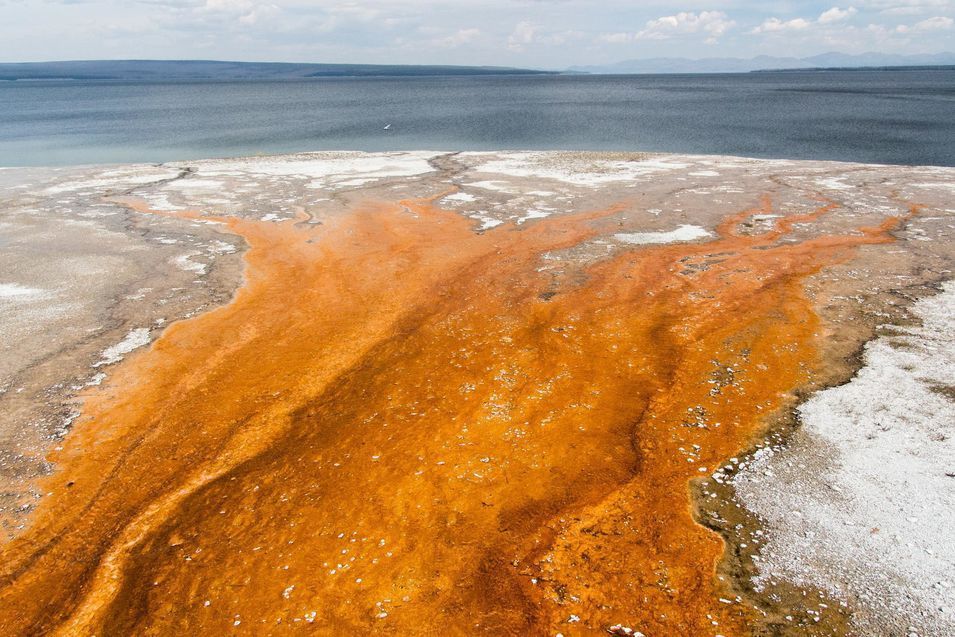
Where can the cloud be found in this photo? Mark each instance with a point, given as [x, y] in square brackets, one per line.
[522, 35]
[228, 6]
[907, 7]
[826, 18]
[615, 38]
[258, 14]
[775, 25]
[536, 33]
[458, 38]
[527, 33]
[711, 23]
[938, 23]
[246, 12]
[836, 14]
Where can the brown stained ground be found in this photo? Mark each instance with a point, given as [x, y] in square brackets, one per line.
[395, 427]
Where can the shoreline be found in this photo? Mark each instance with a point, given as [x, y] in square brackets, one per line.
[836, 163]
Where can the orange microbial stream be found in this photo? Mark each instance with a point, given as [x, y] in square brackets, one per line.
[404, 427]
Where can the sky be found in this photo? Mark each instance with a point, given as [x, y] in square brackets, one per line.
[550, 34]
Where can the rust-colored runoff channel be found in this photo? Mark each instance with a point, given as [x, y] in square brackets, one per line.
[396, 427]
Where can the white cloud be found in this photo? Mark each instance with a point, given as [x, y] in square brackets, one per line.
[522, 35]
[826, 18]
[938, 23]
[711, 23]
[229, 6]
[260, 13]
[907, 7]
[615, 38]
[359, 12]
[533, 33]
[247, 13]
[836, 14]
[526, 33]
[775, 25]
[458, 38]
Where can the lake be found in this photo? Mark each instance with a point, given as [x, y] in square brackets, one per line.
[904, 117]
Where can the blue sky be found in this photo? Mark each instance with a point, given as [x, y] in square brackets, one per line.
[536, 33]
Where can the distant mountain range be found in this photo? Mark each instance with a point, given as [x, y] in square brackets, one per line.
[204, 69]
[217, 70]
[766, 62]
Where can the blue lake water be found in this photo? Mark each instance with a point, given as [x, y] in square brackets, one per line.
[905, 117]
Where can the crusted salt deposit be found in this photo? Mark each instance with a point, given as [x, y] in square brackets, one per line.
[327, 170]
[134, 340]
[574, 169]
[486, 222]
[460, 197]
[115, 179]
[496, 186]
[534, 214]
[160, 201]
[96, 380]
[185, 262]
[834, 183]
[17, 291]
[945, 185]
[196, 186]
[862, 502]
[685, 232]
[221, 247]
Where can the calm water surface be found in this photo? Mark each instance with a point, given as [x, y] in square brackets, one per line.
[886, 117]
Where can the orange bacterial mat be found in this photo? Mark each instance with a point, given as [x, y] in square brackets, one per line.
[404, 427]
